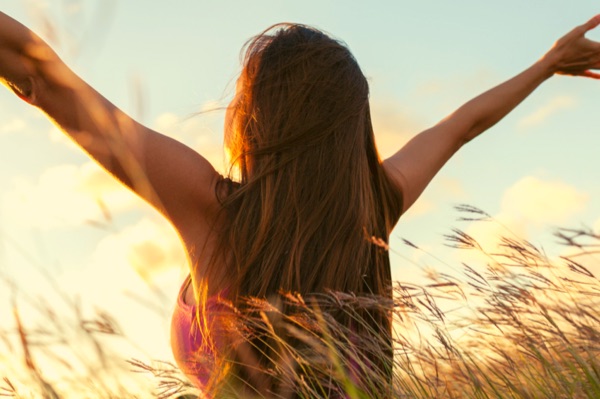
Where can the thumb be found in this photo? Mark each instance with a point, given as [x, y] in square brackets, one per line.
[589, 25]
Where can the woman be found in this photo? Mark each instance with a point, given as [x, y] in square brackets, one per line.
[308, 205]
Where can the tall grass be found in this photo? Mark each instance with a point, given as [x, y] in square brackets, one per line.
[516, 324]
[74, 354]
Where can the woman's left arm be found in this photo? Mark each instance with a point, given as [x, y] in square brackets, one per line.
[415, 164]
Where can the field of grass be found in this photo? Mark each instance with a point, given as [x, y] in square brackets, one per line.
[517, 324]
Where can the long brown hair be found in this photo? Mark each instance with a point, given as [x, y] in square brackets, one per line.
[309, 187]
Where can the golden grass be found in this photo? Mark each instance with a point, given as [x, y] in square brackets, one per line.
[522, 325]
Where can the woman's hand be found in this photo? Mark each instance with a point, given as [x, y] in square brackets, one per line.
[574, 54]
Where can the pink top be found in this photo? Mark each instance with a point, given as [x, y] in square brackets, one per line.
[194, 356]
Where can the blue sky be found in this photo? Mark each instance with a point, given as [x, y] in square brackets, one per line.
[164, 62]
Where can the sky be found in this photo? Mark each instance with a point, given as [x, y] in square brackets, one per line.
[172, 65]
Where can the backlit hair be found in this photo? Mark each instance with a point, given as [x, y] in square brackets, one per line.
[309, 190]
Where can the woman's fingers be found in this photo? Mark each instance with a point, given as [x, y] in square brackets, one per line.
[589, 25]
[579, 32]
[590, 74]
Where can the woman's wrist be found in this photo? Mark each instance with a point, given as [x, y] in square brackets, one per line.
[546, 66]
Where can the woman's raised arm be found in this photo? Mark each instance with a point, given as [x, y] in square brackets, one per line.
[414, 165]
[170, 176]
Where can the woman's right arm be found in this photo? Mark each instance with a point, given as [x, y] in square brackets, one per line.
[172, 177]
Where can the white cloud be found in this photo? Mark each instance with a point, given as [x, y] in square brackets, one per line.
[393, 128]
[544, 112]
[487, 233]
[528, 204]
[540, 201]
[446, 187]
[587, 256]
[166, 122]
[149, 247]
[13, 125]
[66, 195]
[420, 207]
[134, 275]
[451, 187]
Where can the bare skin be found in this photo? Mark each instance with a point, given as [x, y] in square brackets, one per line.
[180, 183]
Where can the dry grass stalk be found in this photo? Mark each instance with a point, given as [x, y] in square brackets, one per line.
[524, 325]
